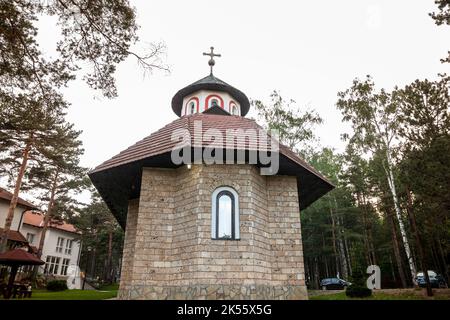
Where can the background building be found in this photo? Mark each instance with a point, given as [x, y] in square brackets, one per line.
[62, 244]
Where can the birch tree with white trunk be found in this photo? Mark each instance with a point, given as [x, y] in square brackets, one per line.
[375, 124]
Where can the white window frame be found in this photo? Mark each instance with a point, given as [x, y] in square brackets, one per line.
[52, 265]
[60, 244]
[68, 248]
[64, 266]
[237, 234]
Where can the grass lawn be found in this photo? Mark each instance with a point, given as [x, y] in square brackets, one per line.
[386, 295]
[110, 287]
[72, 295]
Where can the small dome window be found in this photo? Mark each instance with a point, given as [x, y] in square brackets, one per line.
[192, 107]
[233, 109]
[213, 100]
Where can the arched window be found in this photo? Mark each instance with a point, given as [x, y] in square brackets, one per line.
[233, 109]
[214, 103]
[225, 214]
[191, 106]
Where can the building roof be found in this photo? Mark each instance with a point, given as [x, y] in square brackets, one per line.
[19, 257]
[210, 82]
[6, 195]
[36, 219]
[14, 235]
[118, 179]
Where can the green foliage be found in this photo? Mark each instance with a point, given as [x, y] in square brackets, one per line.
[359, 276]
[424, 111]
[442, 17]
[57, 285]
[400, 139]
[295, 127]
[99, 257]
[58, 171]
[358, 292]
[94, 34]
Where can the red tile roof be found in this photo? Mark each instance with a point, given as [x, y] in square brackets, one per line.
[6, 195]
[14, 235]
[20, 257]
[37, 220]
[160, 141]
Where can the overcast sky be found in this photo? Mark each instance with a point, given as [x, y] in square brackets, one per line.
[308, 50]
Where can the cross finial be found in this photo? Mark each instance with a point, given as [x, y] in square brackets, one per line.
[211, 61]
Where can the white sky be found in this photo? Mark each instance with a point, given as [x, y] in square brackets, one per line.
[309, 50]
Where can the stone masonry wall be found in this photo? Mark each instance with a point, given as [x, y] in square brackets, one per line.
[169, 235]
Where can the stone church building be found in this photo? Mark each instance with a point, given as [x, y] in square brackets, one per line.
[209, 230]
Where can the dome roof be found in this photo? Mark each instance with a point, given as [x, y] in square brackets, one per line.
[210, 83]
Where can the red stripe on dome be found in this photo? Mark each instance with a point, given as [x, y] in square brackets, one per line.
[213, 96]
[187, 103]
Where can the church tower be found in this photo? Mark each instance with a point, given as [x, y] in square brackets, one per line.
[209, 230]
[210, 95]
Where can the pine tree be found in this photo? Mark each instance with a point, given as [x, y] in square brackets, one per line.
[58, 176]
[102, 235]
[442, 17]
[295, 126]
[95, 34]
[29, 127]
[374, 117]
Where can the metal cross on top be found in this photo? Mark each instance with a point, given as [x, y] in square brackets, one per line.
[211, 61]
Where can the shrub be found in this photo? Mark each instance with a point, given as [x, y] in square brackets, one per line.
[57, 285]
[358, 292]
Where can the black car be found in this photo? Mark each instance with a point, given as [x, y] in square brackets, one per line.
[334, 284]
[436, 280]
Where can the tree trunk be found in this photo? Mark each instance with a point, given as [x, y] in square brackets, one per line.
[442, 255]
[15, 197]
[391, 182]
[342, 256]
[420, 250]
[94, 254]
[348, 256]
[392, 268]
[47, 219]
[109, 259]
[361, 204]
[333, 232]
[368, 232]
[396, 247]
[49, 213]
[316, 273]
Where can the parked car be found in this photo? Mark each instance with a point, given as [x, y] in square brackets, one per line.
[436, 280]
[334, 284]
